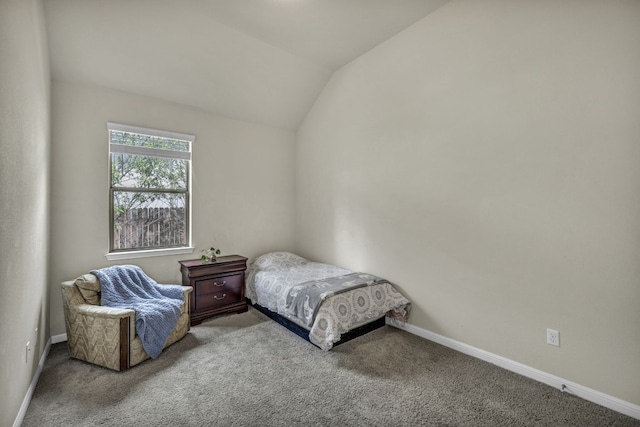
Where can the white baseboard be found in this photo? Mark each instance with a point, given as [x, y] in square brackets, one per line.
[58, 338]
[32, 387]
[581, 391]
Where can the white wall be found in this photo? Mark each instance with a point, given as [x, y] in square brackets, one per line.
[24, 198]
[486, 161]
[242, 183]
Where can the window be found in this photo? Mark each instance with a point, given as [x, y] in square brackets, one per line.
[150, 173]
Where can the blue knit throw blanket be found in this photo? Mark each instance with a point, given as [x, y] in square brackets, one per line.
[157, 307]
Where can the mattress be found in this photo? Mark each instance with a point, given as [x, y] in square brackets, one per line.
[271, 277]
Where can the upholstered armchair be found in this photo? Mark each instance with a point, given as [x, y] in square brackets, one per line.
[106, 336]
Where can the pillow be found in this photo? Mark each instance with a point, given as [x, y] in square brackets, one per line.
[89, 287]
[275, 261]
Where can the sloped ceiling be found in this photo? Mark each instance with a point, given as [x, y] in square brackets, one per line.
[263, 61]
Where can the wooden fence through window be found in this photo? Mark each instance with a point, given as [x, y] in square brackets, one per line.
[149, 228]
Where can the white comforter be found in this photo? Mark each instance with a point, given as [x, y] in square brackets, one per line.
[271, 276]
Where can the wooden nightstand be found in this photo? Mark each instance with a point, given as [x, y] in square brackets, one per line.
[218, 286]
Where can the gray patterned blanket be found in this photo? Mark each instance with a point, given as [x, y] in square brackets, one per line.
[303, 300]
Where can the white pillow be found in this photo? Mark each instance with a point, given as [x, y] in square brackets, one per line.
[276, 261]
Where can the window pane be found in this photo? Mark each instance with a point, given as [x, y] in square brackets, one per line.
[133, 171]
[139, 140]
[149, 220]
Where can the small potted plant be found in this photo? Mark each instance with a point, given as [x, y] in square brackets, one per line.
[209, 254]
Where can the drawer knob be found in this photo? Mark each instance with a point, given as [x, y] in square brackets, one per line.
[219, 298]
[224, 282]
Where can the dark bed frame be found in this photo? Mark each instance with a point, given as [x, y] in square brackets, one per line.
[304, 334]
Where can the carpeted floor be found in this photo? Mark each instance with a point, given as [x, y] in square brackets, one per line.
[246, 370]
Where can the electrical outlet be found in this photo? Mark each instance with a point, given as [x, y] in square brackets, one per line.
[553, 337]
[26, 352]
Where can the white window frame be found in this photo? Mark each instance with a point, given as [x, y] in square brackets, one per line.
[147, 151]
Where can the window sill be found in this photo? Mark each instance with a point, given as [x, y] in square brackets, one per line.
[115, 256]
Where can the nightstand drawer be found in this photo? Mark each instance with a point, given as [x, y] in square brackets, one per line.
[218, 299]
[218, 284]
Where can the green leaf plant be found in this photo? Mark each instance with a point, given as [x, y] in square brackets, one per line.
[209, 254]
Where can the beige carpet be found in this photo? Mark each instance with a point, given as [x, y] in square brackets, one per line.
[246, 370]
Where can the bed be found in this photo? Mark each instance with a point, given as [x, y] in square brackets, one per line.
[322, 303]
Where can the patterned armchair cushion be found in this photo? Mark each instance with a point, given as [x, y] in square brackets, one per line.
[89, 287]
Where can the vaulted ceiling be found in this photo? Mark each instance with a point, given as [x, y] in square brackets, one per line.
[263, 61]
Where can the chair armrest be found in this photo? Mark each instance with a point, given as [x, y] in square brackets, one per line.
[186, 290]
[100, 335]
[105, 312]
